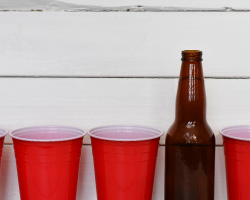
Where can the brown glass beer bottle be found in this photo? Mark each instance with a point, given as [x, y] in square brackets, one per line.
[190, 142]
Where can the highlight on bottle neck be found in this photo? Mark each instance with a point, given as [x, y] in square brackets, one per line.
[191, 97]
[191, 55]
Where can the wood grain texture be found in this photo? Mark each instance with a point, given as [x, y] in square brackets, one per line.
[86, 186]
[121, 44]
[81, 44]
[88, 102]
[118, 5]
[212, 4]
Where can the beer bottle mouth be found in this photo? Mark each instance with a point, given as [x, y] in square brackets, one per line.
[191, 55]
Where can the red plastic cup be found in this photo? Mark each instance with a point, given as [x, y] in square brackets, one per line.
[124, 161]
[47, 159]
[2, 136]
[237, 157]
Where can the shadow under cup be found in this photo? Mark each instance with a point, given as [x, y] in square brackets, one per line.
[124, 161]
[236, 141]
[47, 159]
[2, 136]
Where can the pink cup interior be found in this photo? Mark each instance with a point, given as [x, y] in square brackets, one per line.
[2, 133]
[237, 132]
[47, 133]
[125, 133]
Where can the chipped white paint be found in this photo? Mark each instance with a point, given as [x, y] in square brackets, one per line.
[86, 185]
[118, 5]
[166, 3]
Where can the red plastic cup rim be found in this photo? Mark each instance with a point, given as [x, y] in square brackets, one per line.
[241, 132]
[47, 133]
[125, 133]
[3, 133]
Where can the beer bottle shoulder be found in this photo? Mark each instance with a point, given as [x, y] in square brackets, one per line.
[190, 133]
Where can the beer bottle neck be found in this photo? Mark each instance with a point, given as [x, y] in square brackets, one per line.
[191, 97]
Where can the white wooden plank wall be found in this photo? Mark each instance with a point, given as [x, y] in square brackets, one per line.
[122, 44]
[88, 102]
[99, 62]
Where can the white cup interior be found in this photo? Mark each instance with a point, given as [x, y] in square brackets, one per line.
[47, 133]
[2, 133]
[125, 133]
[237, 132]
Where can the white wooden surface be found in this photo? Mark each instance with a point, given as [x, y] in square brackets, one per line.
[123, 5]
[89, 102]
[118, 63]
[86, 186]
[87, 44]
